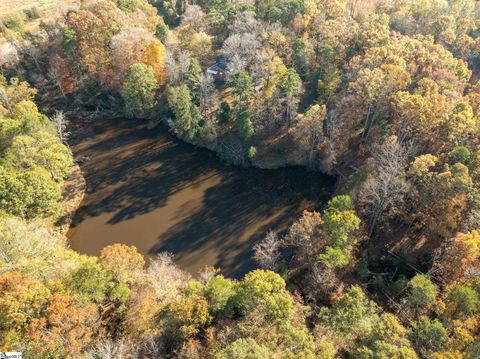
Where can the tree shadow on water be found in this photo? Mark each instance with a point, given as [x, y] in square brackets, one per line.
[239, 211]
[132, 171]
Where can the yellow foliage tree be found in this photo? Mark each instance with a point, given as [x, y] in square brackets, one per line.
[457, 256]
[154, 56]
[123, 261]
[276, 71]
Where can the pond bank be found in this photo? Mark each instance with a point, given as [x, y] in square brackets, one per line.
[73, 191]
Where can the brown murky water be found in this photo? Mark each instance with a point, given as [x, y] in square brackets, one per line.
[147, 189]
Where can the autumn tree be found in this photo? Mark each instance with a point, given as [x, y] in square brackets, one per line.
[429, 335]
[92, 38]
[456, 256]
[127, 48]
[63, 328]
[303, 235]
[220, 292]
[31, 248]
[198, 43]
[122, 261]
[243, 349]
[90, 283]
[154, 56]
[22, 299]
[41, 150]
[61, 75]
[389, 338]
[309, 132]
[462, 301]
[9, 128]
[186, 316]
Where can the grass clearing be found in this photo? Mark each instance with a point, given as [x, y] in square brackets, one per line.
[11, 6]
[33, 11]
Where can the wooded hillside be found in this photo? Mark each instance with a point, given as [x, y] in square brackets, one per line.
[384, 95]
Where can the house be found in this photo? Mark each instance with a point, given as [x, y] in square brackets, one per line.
[220, 69]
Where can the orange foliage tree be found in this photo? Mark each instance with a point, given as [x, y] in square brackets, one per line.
[456, 256]
[64, 328]
[93, 37]
[21, 298]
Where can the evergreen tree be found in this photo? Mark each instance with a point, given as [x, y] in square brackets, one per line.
[193, 80]
[138, 91]
[187, 114]
[244, 125]
[300, 59]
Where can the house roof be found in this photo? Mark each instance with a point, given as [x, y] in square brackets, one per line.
[221, 64]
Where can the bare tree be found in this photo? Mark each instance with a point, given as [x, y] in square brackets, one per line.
[166, 278]
[245, 22]
[385, 188]
[259, 69]
[266, 251]
[152, 348]
[241, 49]
[207, 273]
[110, 349]
[195, 18]
[234, 153]
[60, 122]
[8, 55]
[55, 77]
[322, 281]
[304, 235]
[4, 100]
[472, 220]
[177, 63]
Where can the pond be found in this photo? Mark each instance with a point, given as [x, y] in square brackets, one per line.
[148, 189]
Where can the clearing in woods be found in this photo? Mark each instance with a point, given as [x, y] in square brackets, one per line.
[11, 6]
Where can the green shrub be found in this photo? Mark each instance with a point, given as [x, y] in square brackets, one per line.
[460, 154]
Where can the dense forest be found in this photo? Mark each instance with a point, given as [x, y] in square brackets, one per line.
[382, 94]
